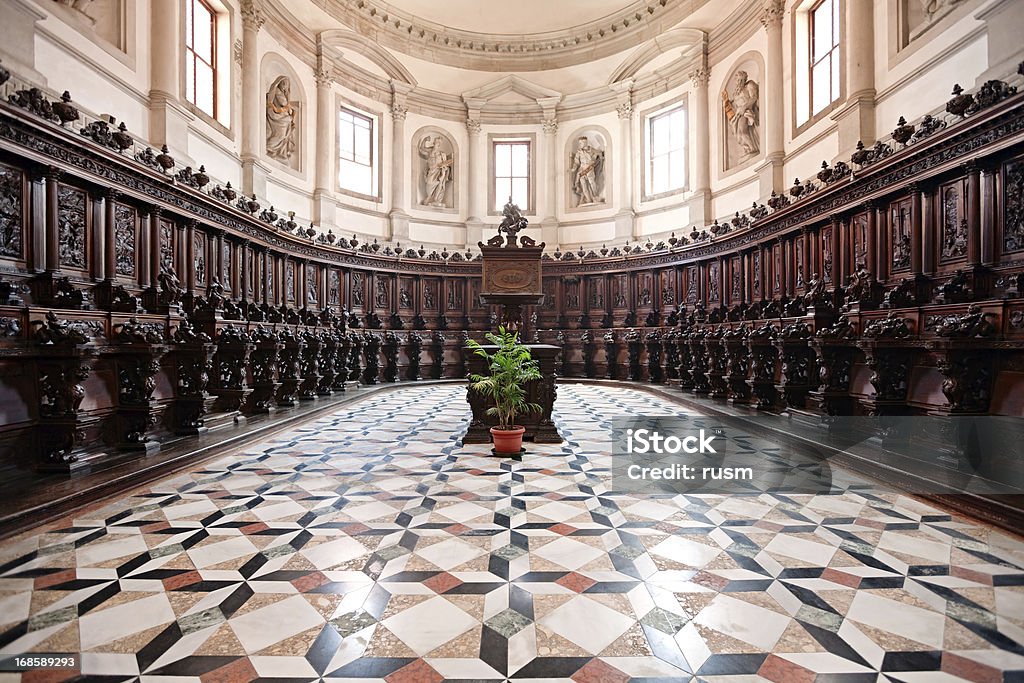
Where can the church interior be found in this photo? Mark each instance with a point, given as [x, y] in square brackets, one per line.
[273, 274]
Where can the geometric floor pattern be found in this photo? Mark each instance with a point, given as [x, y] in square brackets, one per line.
[371, 545]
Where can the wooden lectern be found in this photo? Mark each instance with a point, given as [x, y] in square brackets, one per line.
[512, 279]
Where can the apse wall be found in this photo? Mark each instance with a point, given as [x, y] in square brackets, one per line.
[124, 57]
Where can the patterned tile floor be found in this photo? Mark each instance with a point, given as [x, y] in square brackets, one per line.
[371, 546]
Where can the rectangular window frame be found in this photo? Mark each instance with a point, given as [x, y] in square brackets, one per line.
[833, 55]
[374, 155]
[646, 166]
[192, 56]
[530, 140]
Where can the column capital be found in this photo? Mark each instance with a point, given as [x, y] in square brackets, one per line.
[398, 111]
[323, 77]
[253, 16]
[624, 98]
[550, 126]
[473, 126]
[700, 77]
[771, 15]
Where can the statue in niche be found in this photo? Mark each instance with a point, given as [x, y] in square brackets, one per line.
[79, 6]
[437, 171]
[742, 113]
[586, 167]
[282, 115]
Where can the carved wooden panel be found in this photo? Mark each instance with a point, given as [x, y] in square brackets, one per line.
[692, 288]
[225, 256]
[12, 212]
[798, 258]
[125, 238]
[755, 275]
[714, 283]
[859, 227]
[952, 222]
[268, 279]
[571, 292]
[333, 287]
[474, 295]
[454, 297]
[668, 289]
[1013, 206]
[735, 280]
[199, 259]
[428, 295]
[899, 234]
[644, 290]
[596, 287]
[621, 289]
[827, 257]
[406, 289]
[166, 233]
[312, 284]
[382, 293]
[72, 227]
[289, 281]
[776, 269]
[550, 301]
[358, 290]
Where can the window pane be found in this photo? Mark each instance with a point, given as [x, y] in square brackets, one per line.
[519, 161]
[520, 193]
[190, 85]
[188, 24]
[659, 174]
[820, 87]
[502, 161]
[355, 177]
[203, 33]
[677, 169]
[204, 88]
[822, 20]
[502, 191]
[677, 128]
[362, 146]
[835, 74]
[835, 21]
[659, 134]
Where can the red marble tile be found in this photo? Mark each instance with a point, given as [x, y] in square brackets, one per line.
[870, 523]
[254, 528]
[48, 580]
[155, 526]
[415, 672]
[711, 581]
[768, 526]
[970, 670]
[575, 582]
[842, 578]
[50, 675]
[306, 583]
[186, 579]
[599, 671]
[562, 529]
[970, 575]
[355, 528]
[781, 670]
[554, 495]
[457, 529]
[239, 670]
[442, 583]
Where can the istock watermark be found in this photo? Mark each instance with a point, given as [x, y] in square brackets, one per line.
[778, 454]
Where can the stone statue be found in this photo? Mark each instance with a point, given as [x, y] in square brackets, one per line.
[512, 223]
[586, 167]
[281, 121]
[742, 114]
[437, 172]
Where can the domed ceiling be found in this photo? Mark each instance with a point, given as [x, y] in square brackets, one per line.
[524, 35]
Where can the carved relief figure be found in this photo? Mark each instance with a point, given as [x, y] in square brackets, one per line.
[282, 117]
[586, 171]
[437, 170]
[124, 239]
[10, 212]
[357, 290]
[740, 102]
[71, 227]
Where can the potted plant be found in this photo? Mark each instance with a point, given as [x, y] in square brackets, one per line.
[511, 368]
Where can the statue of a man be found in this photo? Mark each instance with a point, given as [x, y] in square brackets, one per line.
[438, 171]
[585, 164]
[742, 113]
[281, 119]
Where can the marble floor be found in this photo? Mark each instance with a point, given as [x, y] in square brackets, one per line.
[370, 545]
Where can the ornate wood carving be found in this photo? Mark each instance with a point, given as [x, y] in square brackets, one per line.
[11, 211]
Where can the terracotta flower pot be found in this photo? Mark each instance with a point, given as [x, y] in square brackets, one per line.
[508, 441]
